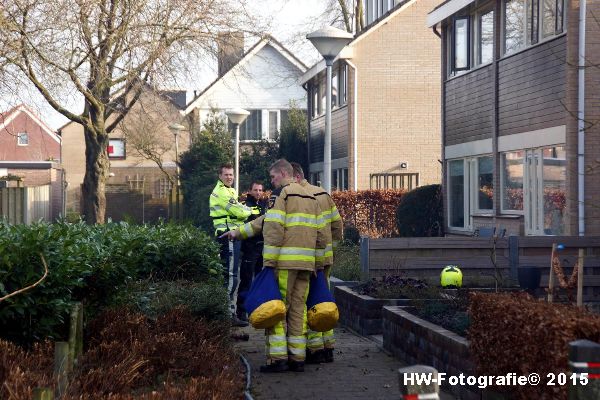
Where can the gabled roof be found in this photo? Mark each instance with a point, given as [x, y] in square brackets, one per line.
[7, 117]
[347, 51]
[267, 40]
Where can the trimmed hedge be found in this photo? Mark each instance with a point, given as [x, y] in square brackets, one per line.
[89, 263]
[517, 333]
[370, 211]
[421, 212]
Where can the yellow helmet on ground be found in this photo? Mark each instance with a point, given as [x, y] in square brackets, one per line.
[451, 276]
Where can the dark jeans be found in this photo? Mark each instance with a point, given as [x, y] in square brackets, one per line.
[230, 257]
[251, 265]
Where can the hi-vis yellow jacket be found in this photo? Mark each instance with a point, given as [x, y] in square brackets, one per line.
[292, 228]
[226, 211]
[333, 226]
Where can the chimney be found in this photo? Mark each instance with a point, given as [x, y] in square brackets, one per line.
[230, 50]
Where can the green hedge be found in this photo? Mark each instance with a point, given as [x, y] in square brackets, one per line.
[89, 263]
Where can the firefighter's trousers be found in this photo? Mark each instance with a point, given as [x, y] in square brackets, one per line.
[287, 339]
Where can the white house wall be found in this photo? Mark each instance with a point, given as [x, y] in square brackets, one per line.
[266, 81]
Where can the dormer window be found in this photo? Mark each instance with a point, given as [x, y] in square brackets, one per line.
[23, 139]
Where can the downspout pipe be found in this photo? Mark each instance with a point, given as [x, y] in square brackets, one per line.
[581, 120]
[355, 123]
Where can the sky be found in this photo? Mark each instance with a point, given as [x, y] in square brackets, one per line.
[289, 22]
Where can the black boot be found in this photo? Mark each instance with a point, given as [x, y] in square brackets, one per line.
[328, 355]
[235, 321]
[275, 366]
[315, 357]
[296, 366]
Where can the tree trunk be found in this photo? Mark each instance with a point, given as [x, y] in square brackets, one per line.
[96, 173]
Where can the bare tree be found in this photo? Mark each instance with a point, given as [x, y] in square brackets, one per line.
[347, 14]
[104, 51]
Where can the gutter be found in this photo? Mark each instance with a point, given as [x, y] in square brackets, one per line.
[355, 123]
[581, 121]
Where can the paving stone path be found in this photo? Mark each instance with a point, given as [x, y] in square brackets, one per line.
[361, 370]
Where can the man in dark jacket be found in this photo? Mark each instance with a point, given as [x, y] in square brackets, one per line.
[251, 248]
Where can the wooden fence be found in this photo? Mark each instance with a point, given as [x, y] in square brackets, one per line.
[424, 258]
[24, 205]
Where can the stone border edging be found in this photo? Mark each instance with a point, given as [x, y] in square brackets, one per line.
[247, 395]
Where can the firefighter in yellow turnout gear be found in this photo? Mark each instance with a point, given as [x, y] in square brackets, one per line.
[292, 231]
[320, 345]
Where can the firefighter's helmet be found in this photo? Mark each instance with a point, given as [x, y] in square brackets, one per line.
[451, 276]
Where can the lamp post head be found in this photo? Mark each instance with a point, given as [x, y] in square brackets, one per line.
[176, 128]
[329, 41]
[237, 115]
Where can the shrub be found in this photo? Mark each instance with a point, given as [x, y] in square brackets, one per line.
[351, 235]
[421, 212]
[89, 263]
[517, 333]
[369, 211]
[204, 299]
[346, 263]
[129, 357]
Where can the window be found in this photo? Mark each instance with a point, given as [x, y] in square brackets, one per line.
[315, 178]
[456, 193]
[251, 128]
[334, 88]
[273, 126]
[375, 9]
[525, 22]
[460, 44]
[343, 84]
[23, 139]
[315, 101]
[284, 118]
[514, 25]
[116, 149]
[394, 181]
[484, 199]
[323, 95]
[512, 181]
[485, 37]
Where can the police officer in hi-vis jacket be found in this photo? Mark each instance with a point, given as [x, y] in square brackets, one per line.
[227, 214]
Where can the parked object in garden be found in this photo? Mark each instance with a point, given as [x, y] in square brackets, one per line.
[529, 277]
[263, 303]
[451, 276]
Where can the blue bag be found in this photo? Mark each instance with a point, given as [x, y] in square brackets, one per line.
[263, 303]
[322, 312]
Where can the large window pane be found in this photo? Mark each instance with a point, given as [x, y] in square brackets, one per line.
[486, 37]
[273, 128]
[461, 44]
[554, 174]
[251, 128]
[334, 89]
[485, 183]
[456, 193]
[548, 18]
[514, 25]
[512, 190]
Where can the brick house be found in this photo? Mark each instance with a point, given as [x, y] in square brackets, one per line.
[137, 188]
[510, 107]
[385, 95]
[31, 150]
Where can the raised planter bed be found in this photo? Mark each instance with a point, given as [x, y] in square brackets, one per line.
[361, 313]
[417, 341]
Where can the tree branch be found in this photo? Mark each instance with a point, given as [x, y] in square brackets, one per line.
[30, 286]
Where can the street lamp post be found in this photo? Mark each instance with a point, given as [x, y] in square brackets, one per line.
[329, 42]
[176, 128]
[237, 116]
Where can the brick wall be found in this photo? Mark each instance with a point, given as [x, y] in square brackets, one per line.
[399, 96]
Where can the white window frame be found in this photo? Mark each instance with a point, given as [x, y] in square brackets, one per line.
[267, 126]
[20, 135]
[477, 62]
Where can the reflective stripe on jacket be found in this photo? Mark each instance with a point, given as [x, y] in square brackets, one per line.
[331, 220]
[293, 229]
[226, 212]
